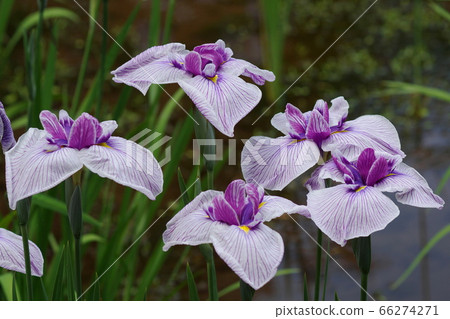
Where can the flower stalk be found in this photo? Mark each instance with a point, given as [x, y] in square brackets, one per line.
[23, 213]
[247, 292]
[362, 250]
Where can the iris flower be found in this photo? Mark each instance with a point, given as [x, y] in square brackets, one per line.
[233, 223]
[208, 74]
[12, 257]
[357, 207]
[275, 162]
[42, 159]
[6, 132]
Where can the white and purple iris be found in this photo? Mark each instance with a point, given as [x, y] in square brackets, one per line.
[208, 74]
[12, 257]
[275, 162]
[357, 207]
[42, 159]
[233, 223]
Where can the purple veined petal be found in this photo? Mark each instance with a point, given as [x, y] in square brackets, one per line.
[255, 191]
[201, 202]
[193, 63]
[281, 123]
[365, 162]
[368, 131]
[66, 121]
[412, 188]
[108, 127]
[322, 107]
[223, 212]
[329, 170]
[338, 111]
[12, 256]
[318, 128]
[33, 166]
[6, 132]
[192, 229]
[52, 125]
[274, 163]
[296, 119]
[84, 132]
[209, 70]
[235, 194]
[126, 163]
[254, 255]
[158, 64]
[239, 67]
[224, 100]
[275, 206]
[191, 225]
[343, 213]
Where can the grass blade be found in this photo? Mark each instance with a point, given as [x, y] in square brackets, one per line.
[193, 293]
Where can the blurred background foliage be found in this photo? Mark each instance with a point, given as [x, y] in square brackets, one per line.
[393, 61]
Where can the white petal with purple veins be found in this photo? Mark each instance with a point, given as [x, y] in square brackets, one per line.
[224, 100]
[108, 127]
[343, 213]
[318, 177]
[253, 255]
[241, 67]
[126, 163]
[412, 188]
[338, 111]
[274, 163]
[12, 256]
[33, 166]
[281, 123]
[275, 206]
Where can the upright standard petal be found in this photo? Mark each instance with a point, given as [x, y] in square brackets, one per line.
[345, 211]
[224, 100]
[159, 65]
[338, 111]
[281, 123]
[274, 163]
[412, 189]
[6, 132]
[33, 166]
[254, 255]
[12, 256]
[84, 132]
[235, 194]
[192, 225]
[52, 125]
[108, 127]
[275, 206]
[368, 131]
[126, 163]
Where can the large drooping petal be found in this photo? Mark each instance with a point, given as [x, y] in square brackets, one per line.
[12, 256]
[6, 133]
[253, 255]
[368, 131]
[126, 163]
[33, 166]
[345, 211]
[275, 206]
[155, 65]
[412, 188]
[274, 163]
[191, 225]
[239, 67]
[224, 100]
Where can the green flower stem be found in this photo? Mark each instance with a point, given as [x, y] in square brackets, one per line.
[318, 265]
[362, 250]
[208, 253]
[247, 292]
[23, 213]
[75, 213]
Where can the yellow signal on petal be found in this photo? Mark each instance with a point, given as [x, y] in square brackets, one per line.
[245, 228]
[360, 189]
[104, 145]
[390, 174]
[262, 204]
[214, 79]
[343, 131]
